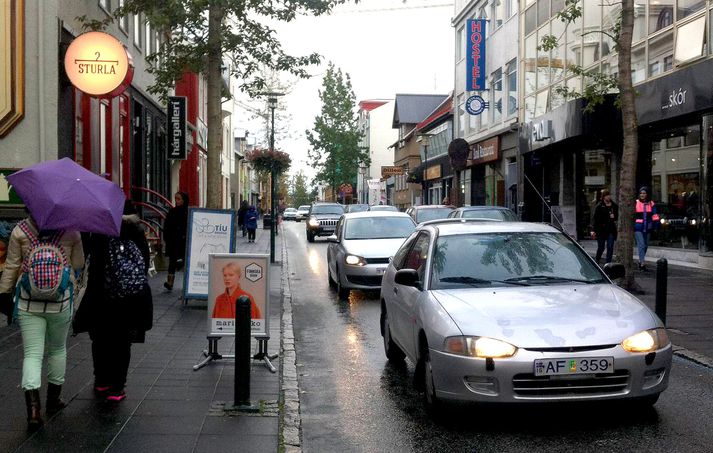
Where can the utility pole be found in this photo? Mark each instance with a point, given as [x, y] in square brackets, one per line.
[272, 104]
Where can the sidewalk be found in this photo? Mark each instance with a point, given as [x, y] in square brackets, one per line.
[169, 407]
[689, 312]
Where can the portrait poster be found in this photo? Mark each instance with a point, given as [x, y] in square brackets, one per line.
[209, 231]
[233, 275]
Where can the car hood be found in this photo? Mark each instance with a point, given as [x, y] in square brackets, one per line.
[326, 216]
[373, 248]
[548, 316]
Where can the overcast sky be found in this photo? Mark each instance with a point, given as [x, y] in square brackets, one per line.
[386, 46]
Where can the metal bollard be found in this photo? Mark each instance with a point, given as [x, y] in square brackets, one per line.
[661, 288]
[242, 351]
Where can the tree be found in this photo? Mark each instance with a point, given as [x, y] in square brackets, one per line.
[335, 138]
[202, 35]
[299, 194]
[598, 87]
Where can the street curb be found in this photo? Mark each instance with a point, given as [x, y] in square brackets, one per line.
[290, 422]
[693, 356]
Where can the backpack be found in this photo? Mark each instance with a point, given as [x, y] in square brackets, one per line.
[46, 272]
[125, 270]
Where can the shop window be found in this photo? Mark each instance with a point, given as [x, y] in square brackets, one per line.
[497, 89]
[530, 63]
[687, 7]
[639, 20]
[661, 14]
[690, 40]
[543, 11]
[638, 64]
[543, 60]
[512, 87]
[674, 142]
[530, 20]
[693, 136]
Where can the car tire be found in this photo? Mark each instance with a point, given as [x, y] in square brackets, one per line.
[332, 283]
[432, 404]
[310, 237]
[393, 352]
[342, 292]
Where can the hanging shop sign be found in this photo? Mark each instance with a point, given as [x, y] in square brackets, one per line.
[475, 55]
[432, 172]
[475, 105]
[99, 65]
[391, 171]
[176, 121]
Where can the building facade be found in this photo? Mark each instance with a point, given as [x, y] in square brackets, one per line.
[375, 118]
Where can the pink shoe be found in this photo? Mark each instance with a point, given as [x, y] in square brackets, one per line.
[116, 397]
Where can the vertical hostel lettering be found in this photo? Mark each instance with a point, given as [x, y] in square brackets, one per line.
[475, 55]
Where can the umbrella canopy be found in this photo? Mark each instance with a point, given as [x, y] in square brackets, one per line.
[62, 195]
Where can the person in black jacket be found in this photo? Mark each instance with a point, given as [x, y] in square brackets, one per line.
[113, 322]
[606, 215]
[241, 216]
[174, 235]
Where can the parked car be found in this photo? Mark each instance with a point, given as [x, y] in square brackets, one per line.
[425, 213]
[356, 208]
[517, 312]
[302, 212]
[484, 212]
[359, 251]
[290, 214]
[383, 207]
[322, 219]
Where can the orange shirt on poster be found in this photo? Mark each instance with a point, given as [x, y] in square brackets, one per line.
[225, 305]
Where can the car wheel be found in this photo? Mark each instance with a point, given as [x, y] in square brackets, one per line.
[342, 292]
[332, 283]
[310, 237]
[393, 352]
[433, 405]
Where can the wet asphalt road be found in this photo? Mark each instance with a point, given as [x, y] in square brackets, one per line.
[353, 400]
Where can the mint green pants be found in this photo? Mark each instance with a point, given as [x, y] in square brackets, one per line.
[36, 328]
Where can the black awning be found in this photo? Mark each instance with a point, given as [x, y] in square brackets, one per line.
[416, 175]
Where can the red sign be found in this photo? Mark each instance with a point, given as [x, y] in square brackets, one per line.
[345, 189]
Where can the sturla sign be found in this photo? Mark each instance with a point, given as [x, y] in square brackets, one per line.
[99, 65]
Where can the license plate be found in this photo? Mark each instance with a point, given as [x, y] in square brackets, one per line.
[579, 365]
[380, 270]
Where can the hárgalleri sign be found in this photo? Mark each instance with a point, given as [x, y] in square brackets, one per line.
[99, 65]
[176, 123]
[475, 55]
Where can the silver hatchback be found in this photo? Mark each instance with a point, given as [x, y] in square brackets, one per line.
[361, 247]
[517, 312]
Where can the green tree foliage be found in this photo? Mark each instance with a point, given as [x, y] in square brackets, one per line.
[299, 193]
[335, 138]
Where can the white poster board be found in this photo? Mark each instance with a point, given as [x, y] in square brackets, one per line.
[233, 275]
[209, 231]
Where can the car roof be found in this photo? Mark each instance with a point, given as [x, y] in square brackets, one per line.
[433, 206]
[447, 227]
[370, 214]
[483, 208]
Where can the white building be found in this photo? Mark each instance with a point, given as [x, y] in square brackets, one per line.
[375, 116]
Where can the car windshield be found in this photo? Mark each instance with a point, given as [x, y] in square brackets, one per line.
[290, 210]
[357, 208]
[497, 214]
[378, 228]
[328, 209]
[303, 208]
[424, 215]
[509, 258]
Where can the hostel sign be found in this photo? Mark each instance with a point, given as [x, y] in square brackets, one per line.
[475, 55]
[99, 65]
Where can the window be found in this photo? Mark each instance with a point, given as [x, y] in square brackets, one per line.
[78, 128]
[690, 40]
[556, 98]
[661, 14]
[512, 87]
[104, 119]
[497, 88]
[542, 103]
[530, 64]
[543, 59]
[461, 116]
[124, 20]
[574, 41]
[543, 11]
[639, 20]
[417, 257]
[638, 65]
[105, 5]
[611, 13]
[137, 31]
[557, 62]
[460, 46]
[498, 13]
[400, 256]
[688, 7]
[557, 6]
[592, 15]
[530, 20]
[512, 8]
[529, 108]
[660, 54]
[148, 38]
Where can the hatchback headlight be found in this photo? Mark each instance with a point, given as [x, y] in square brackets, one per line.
[646, 341]
[355, 260]
[313, 222]
[483, 347]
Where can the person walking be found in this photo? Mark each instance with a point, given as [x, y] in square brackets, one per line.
[44, 319]
[251, 223]
[241, 216]
[646, 219]
[117, 308]
[174, 235]
[606, 215]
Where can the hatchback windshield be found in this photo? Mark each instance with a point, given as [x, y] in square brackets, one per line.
[378, 228]
[303, 208]
[497, 214]
[505, 259]
[327, 209]
[424, 215]
[356, 208]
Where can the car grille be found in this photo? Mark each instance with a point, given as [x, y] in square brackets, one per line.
[364, 280]
[529, 385]
[377, 260]
[328, 222]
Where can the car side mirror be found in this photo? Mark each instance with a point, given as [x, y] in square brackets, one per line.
[407, 277]
[333, 238]
[614, 270]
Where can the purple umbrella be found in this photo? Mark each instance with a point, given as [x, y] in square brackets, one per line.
[62, 195]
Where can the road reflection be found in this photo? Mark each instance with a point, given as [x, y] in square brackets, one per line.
[315, 261]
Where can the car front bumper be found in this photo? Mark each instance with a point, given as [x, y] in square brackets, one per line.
[362, 277]
[459, 378]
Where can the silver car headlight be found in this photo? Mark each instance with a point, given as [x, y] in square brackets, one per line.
[313, 222]
[355, 260]
[646, 341]
[483, 347]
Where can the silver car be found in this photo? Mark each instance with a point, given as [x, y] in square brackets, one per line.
[517, 312]
[302, 212]
[361, 247]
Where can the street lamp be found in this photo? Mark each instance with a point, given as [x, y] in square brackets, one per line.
[272, 104]
[362, 172]
[425, 140]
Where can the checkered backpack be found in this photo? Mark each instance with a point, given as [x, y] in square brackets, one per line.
[125, 274]
[46, 272]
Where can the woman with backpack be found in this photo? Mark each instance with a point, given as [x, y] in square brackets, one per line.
[43, 292]
[117, 308]
[174, 234]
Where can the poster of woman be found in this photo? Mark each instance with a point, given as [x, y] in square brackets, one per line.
[231, 276]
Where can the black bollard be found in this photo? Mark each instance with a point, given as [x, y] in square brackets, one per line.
[242, 351]
[661, 288]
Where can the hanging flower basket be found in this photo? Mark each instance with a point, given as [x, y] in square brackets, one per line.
[263, 160]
